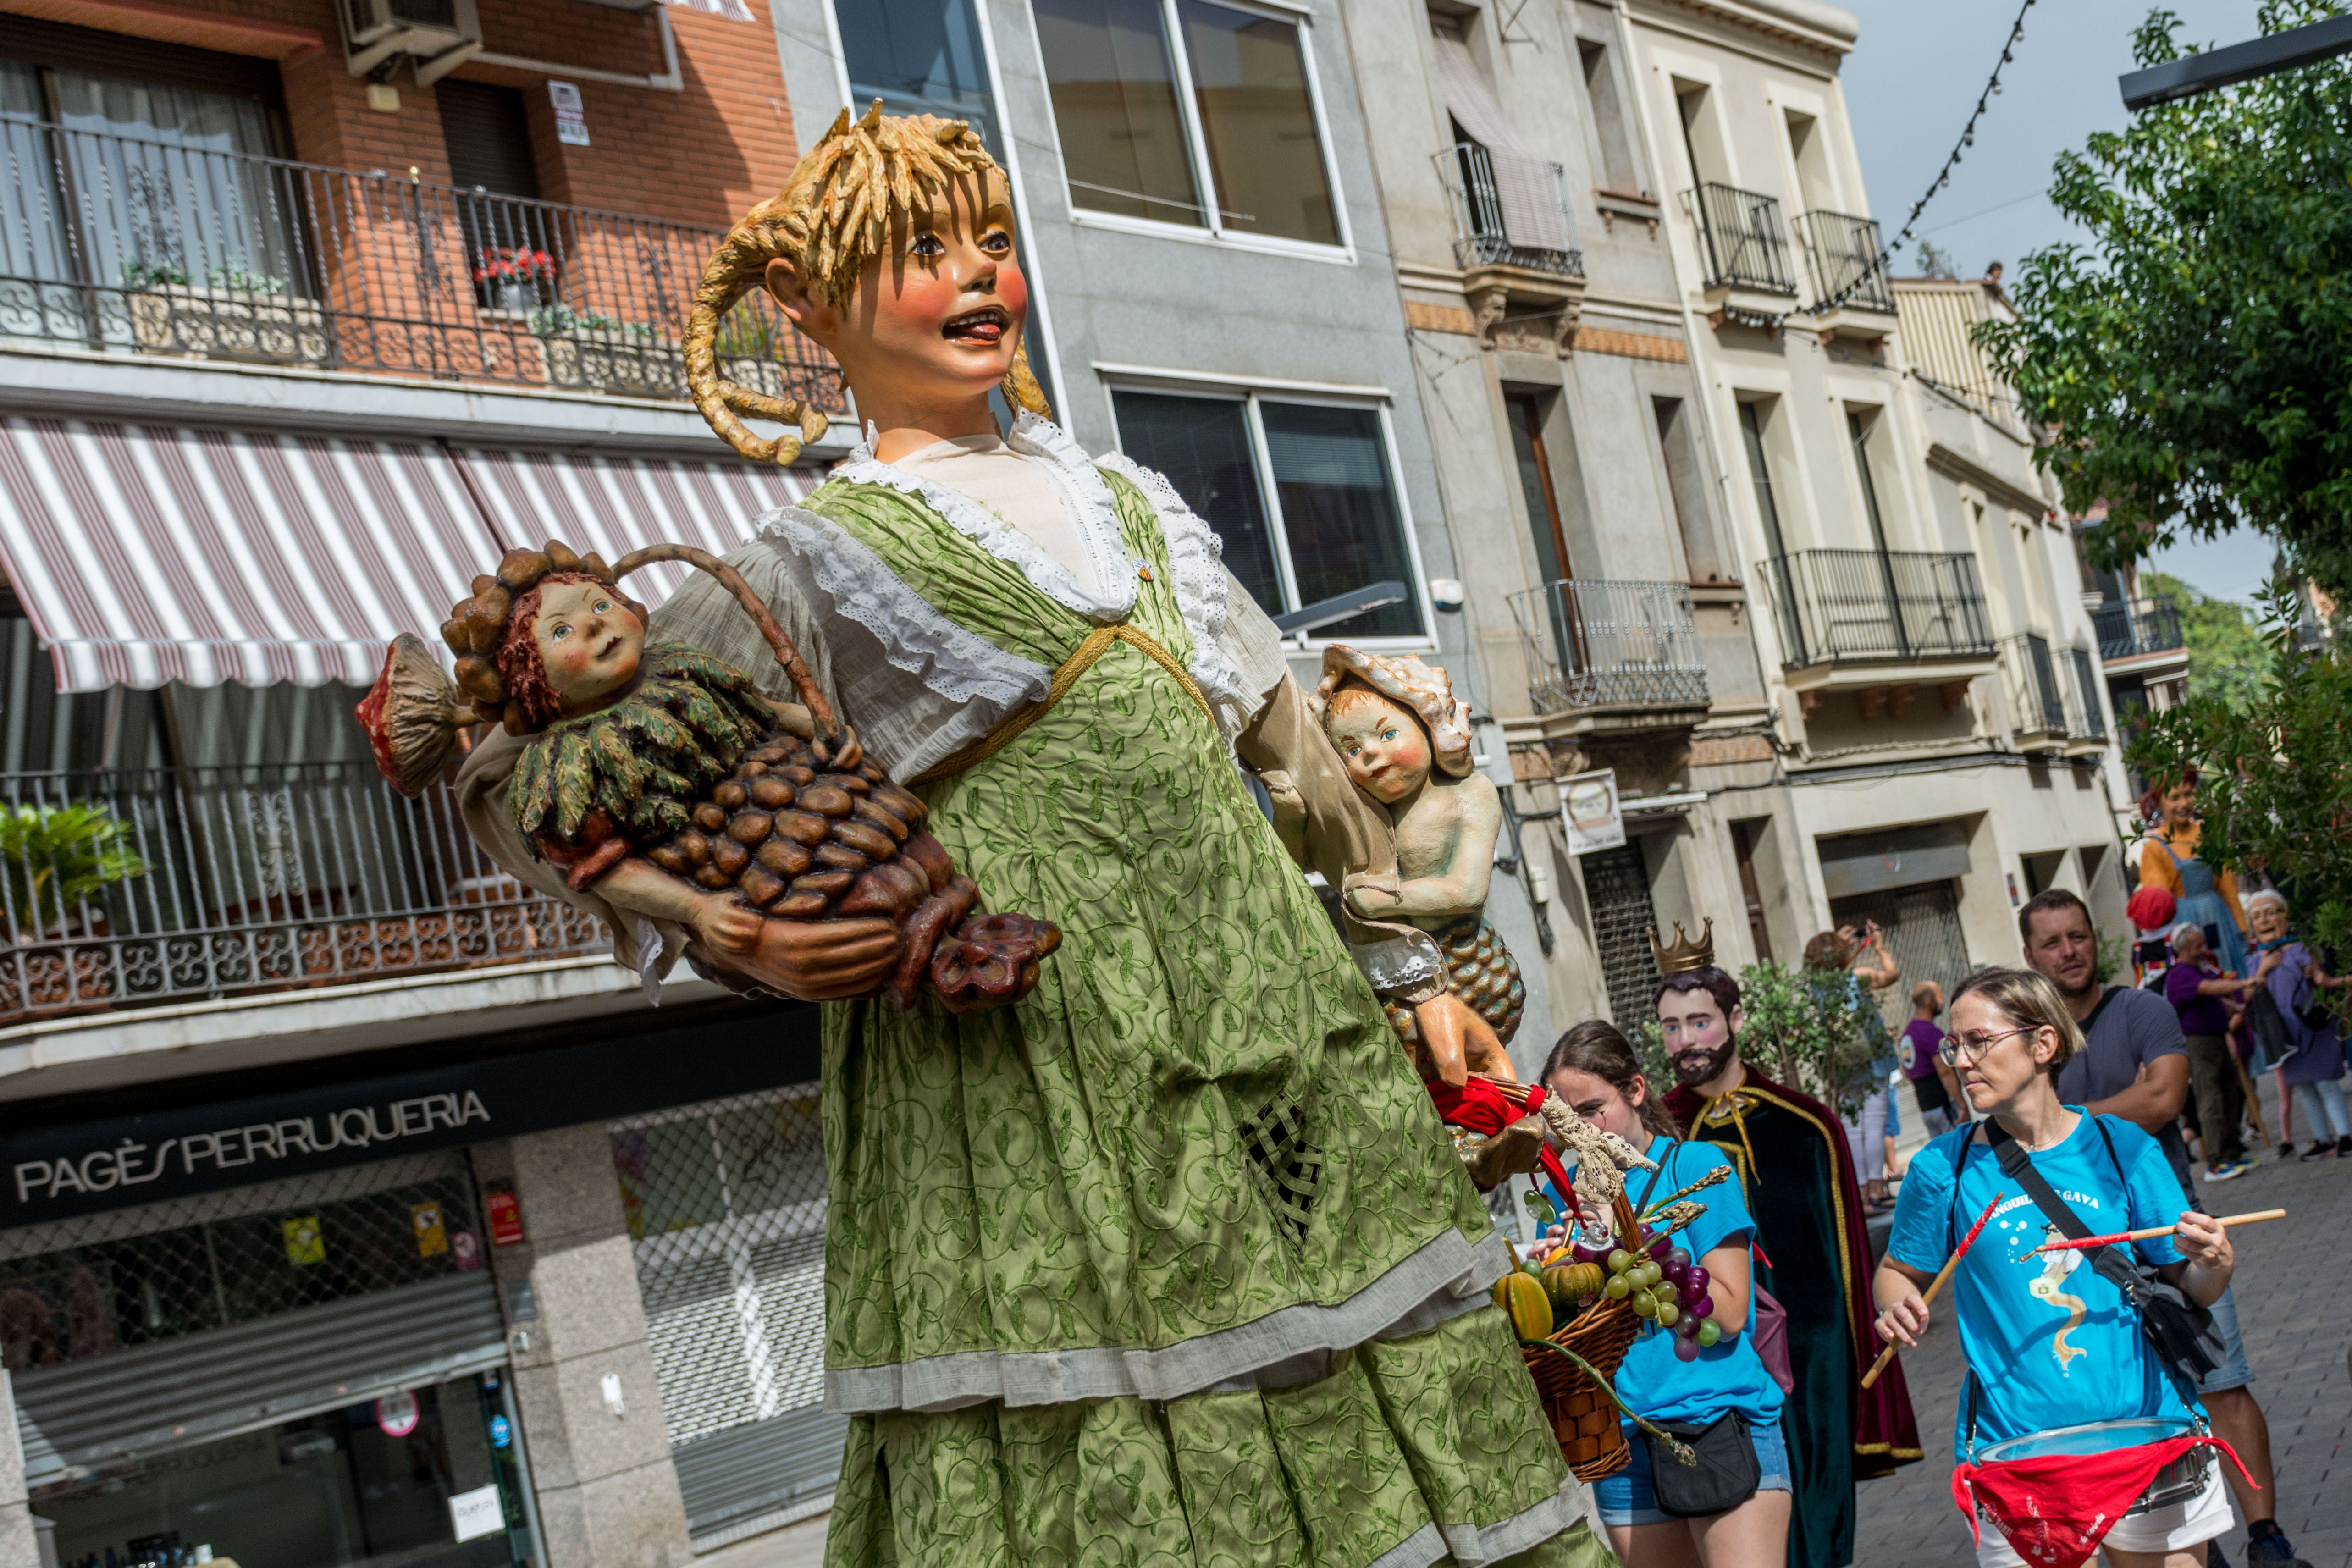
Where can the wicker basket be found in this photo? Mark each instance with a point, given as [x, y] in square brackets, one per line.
[1584, 1418]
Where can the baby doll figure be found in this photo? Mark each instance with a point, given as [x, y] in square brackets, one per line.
[1405, 740]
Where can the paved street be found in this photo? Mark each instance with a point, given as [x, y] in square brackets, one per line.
[2296, 1338]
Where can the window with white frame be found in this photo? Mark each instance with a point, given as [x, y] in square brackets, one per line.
[1190, 112]
[1302, 494]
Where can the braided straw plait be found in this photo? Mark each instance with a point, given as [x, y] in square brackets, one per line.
[832, 216]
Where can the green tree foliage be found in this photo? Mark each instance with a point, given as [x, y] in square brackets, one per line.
[1811, 1029]
[2276, 784]
[2227, 659]
[52, 858]
[2194, 362]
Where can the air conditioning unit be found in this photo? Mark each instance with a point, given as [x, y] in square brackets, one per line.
[438, 35]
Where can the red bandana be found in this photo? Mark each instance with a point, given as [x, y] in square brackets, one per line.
[2057, 1507]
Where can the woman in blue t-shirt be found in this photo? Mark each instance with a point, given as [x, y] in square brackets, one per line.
[1595, 1071]
[2049, 1342]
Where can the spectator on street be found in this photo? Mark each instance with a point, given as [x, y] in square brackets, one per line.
[2313, 1070]
[2202, 995]
[2134, 1064]
[1941, 1105]
[1859, 959]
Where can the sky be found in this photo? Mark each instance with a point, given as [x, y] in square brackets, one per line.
[1909, 84]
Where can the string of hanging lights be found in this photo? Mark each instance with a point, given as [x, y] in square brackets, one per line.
[1943, 175]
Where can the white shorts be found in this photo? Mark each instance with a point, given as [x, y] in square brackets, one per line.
[2174, 1529]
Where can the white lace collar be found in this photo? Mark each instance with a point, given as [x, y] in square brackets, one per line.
[1084, 496]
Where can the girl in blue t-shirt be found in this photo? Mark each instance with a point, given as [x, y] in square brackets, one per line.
[1595, 1071]
[2049, 1342]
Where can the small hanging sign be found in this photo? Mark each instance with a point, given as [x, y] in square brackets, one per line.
[396, 1415]
[570, 117]
[506, 1217]
[1591, 812]
[431, 1234]
[305, 1242]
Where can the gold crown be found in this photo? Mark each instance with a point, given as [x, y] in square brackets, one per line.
[1685, 954]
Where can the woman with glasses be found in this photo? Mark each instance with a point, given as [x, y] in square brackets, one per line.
[2049, 1342]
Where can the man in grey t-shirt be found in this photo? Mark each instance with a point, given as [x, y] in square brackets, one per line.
[2134, 1064]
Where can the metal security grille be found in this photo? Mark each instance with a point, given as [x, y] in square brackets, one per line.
[726, 1202]
[80, 1288]
[1923, 931]
[1617, 885]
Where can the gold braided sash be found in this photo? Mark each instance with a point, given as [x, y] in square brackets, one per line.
[1097, 643]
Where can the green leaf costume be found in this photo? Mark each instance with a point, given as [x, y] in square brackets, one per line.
[1170, 1263]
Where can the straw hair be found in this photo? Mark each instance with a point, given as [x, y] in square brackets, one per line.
[2024, 997]
[833, 216]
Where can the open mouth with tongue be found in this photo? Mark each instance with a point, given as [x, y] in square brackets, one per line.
[983, 328]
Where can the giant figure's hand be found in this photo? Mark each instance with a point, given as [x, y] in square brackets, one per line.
[816, 961]
[1458, 1042]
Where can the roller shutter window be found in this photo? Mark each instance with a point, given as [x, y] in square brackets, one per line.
[131, 1333]
[1617, 885]
[725, 1204]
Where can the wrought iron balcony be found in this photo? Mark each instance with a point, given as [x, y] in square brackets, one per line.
[1742, 241]
[1836, 605]
[2130, 628]
[131, 888]
[1509, 211]
[2086, 718]
[1593, 642]
[113, 243]
[2037, 701]
[1843, 251]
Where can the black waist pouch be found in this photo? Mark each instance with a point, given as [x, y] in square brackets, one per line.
[1723, 1476]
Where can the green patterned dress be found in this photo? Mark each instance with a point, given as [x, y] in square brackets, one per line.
[1171, 1264]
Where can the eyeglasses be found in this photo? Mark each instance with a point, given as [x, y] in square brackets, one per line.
[1976, 1042]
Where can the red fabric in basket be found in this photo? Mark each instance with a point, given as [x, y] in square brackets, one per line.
[1479, 1107]
[2055, 1509]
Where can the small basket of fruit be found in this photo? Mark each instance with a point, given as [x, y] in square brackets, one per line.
[1576, 1318]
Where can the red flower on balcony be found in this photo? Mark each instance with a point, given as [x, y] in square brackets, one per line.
[515, 264]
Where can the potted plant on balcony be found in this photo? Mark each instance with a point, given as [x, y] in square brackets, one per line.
[236, 312]
[512, 277]
[53, 860]
[592, 352]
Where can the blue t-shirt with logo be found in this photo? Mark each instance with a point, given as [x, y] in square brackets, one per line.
[2052, 1343]
[1728, 1375]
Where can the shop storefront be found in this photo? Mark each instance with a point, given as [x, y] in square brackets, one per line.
[324, 1365]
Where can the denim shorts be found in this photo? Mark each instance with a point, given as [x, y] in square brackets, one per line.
[1625, 1497]
[2234, 1372]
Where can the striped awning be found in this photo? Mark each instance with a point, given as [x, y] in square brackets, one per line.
[145, 555]
[734, 10]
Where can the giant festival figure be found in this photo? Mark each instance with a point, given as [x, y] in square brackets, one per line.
[1144, 1244]
[1797, 1173]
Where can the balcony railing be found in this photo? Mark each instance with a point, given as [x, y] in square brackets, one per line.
[1843, 253]
[2035, 696]
[131, 888]
[145, 246]
[1509, 211]
[1839, 604]
[2085, 719]
[1742, 241]
[2129, 628]
[1591, 643]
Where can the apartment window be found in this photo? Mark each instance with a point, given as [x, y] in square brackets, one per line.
[1301, 493]
[1859, 426]
[1678, 447]
[919, 56]
[1608, 119]
[1760, 475]
[1535, 484]
[1189, 113]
